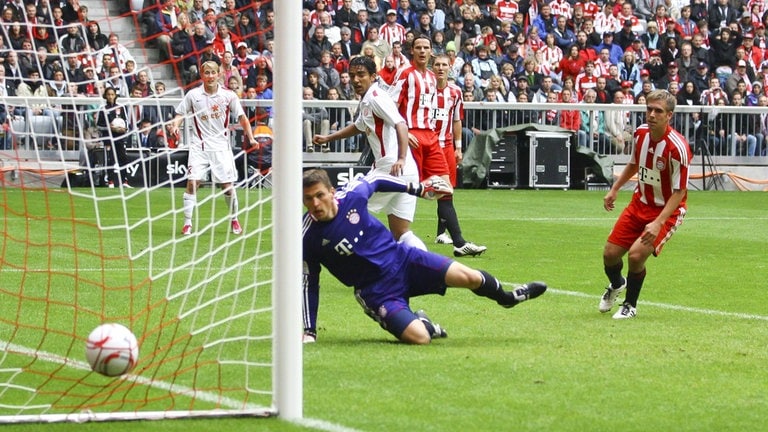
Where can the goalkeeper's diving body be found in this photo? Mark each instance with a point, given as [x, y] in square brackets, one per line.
[339, 233]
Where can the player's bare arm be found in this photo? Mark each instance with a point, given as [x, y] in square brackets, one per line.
[609, 201]
[246, 125]
[349, 130]
[402, 148]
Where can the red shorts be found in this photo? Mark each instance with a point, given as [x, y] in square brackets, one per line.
[429, 156]
[450, 159]
[633, 220]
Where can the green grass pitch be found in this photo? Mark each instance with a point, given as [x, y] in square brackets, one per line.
[694, 359]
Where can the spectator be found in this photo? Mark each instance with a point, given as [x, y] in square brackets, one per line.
[183, 46]
[73, 42]
[714, 93]
[722, 51]
[700, 51]
[569, 119]
[762, 142]
[315, 120]
[327, 73]
[116, 81]
[470, 83]
[120, 54]
[572, 64]
[738, 75]
[224, 40]
[745, 130]
[545, 21]
[551, 117]
[114, 137]
[332, 32]
[406, 16]
[248, 31]
[392, 30]
[484, 67]
[672, 78]
[196, 12]
[617, 128]
[349, 48]
[166, 22]
[701, 77]
[592, 127]
[381, 49]
[564, 37]
[721, 14]
[456, 33]
[346, 91]
[753, 97]
[359, 31]
[551, 54]
[437, 15]
[615, 50]
[96, 39]
[316, 45]
[376, 13]
[424, 26]
[345, 16]
[717, 127]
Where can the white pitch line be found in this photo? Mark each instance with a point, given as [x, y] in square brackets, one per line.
[170, 387]
[671, 306]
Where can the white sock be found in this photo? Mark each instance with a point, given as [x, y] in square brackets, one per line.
[410, 239]
[232, 203]
[190, 200]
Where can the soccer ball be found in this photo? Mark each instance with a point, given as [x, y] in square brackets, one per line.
[118, 123]
[112, 350]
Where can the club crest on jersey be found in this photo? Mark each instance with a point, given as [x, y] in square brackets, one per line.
[661, 163]
[353, 217]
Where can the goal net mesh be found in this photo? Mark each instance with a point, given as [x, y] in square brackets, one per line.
[75, 254]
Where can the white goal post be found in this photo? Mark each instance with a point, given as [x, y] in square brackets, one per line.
[217, 316]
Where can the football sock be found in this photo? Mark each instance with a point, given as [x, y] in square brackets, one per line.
[441, 225]
[446, 211]
[410, 239]
[491, 288]
[189, 207]
[614, 274]
[634, 284]
[232, 204]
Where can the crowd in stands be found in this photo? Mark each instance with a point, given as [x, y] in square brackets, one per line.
[51, 48]
[708, 52]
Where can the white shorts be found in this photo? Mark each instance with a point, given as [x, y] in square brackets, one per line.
[402, 205]
[221, 165]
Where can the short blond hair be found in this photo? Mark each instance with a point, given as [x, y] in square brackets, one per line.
[210, 64]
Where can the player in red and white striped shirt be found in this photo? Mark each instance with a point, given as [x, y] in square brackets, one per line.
[415, 92]
[661, 158]
[449, 112]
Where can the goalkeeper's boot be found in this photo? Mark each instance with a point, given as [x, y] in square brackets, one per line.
[435, 330]
[309, 337]
[626, 311]
[524, 292]
[186, 230]
[610, 296]
[468, 249]
[443, 238]
[236, 228]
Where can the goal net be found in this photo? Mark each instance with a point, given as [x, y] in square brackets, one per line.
[87, 240]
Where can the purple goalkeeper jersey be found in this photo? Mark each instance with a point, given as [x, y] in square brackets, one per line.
[355, 246]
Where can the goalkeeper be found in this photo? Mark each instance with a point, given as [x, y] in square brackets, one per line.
[339, 233]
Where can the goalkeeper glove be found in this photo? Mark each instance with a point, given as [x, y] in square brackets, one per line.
[431, 188]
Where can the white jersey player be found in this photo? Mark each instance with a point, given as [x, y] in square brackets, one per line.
[387, 133]
[211, 106]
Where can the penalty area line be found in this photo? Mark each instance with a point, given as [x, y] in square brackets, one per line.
[667, 306]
